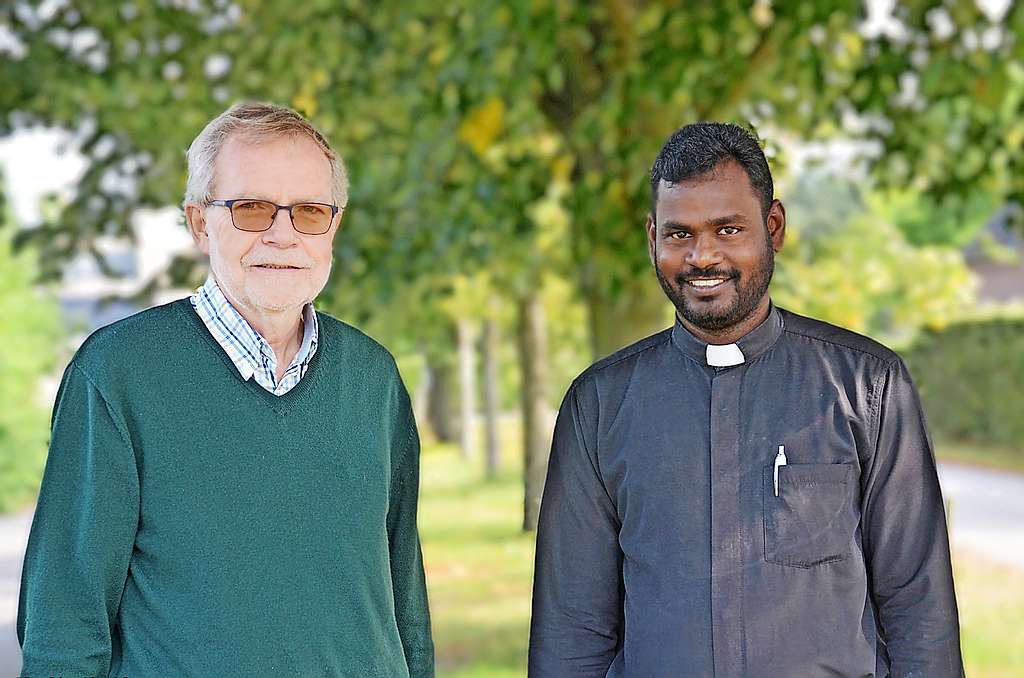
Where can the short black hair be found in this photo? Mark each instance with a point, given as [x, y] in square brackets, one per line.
[697, 149]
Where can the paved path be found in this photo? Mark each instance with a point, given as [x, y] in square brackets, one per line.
[986, 517]
[986, 512]
[13, 535]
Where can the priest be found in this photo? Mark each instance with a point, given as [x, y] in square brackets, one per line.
[750, 492]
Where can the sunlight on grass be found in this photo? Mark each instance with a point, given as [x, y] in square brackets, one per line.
[479, 570]
[991, 602]
[976, 455]
[479, 566]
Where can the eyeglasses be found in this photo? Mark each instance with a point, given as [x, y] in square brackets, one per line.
[308, 218]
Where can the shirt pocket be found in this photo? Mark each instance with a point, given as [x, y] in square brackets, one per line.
[813, 519]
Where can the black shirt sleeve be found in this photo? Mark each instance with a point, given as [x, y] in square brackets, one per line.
[577, 598]
[905, 541]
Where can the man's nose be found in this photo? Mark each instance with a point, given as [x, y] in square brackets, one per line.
[280, 231]
[704, 252]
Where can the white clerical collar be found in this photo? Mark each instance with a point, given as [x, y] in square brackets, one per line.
[725, 355]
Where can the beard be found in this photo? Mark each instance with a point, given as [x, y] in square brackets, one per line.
[750, 290]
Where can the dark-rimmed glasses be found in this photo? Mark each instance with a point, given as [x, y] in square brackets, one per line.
[308, 218]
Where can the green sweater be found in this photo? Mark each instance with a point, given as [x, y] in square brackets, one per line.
[193, 524]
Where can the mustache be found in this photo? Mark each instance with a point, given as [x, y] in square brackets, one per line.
[698, 273]
[266, 261]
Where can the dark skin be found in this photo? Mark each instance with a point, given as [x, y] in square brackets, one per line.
[714, 250]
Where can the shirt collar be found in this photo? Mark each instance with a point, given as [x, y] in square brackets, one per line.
[244, 345]
[751, 345]
[310, 334]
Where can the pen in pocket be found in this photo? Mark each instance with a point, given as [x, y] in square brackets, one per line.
[780, 460]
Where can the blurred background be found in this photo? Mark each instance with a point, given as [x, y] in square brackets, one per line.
[499, 153]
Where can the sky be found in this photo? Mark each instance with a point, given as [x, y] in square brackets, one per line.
[33, 166]
[37, 162]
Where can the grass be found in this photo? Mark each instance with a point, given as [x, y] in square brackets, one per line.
[479, 567]
[976, 455]
[479, 570]
[991, 601]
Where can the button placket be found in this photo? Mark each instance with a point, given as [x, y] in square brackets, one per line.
[728, 543]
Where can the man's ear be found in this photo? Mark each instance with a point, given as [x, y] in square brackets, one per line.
[196, 220]
[776, 224]
[652, 234]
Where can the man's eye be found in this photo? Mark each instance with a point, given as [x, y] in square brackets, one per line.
[678, 235]
[250, 205]
[729, 230]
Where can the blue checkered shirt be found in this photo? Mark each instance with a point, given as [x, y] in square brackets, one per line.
[249, 351]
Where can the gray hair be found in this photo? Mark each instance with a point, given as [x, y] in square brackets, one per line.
[253, 121]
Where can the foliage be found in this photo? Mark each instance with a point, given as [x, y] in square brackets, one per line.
[926, 221]
[30, 333]
[845, 262]
[458, 118]
[971, 380]
[945, 97]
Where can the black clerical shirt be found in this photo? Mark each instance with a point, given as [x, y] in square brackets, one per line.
[664, 550]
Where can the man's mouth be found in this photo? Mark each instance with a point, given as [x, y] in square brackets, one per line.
[705, 284]
[285, 267]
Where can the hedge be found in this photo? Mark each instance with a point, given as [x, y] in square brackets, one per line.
[971, 379]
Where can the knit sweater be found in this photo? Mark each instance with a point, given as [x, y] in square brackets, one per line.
[192, 524]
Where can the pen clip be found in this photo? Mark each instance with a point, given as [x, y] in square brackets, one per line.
[780, 460]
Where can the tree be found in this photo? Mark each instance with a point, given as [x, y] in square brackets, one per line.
[939, 86]
[467, 126]
[30, 334]
[848, 262]
[489, 358]
[941, 90]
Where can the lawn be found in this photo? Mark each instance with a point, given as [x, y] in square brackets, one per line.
[976, 455]
[479, 566]
[991, 600]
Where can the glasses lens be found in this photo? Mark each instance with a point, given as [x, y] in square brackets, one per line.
[252, 215]
[311, 218]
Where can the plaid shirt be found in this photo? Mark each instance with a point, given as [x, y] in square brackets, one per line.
[250, 352]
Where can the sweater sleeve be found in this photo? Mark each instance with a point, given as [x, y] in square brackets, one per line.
[905, 540]
[81, 540]
[407, 577]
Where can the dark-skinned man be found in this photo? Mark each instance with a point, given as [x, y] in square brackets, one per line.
[748, 493]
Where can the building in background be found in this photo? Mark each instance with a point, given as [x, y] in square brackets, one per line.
[90, 299]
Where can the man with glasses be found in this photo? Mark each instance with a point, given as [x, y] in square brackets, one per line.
[232, 481]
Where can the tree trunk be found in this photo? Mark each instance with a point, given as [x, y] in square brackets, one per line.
[467, 387]
[421, 397]
[635, 312]
[532, 342]
[489, 355]
[440, 408]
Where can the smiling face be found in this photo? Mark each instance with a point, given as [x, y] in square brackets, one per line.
[278, 269]
[713, 253]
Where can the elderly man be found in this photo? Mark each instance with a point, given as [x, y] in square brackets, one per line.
[751, 492]
[232, 481]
